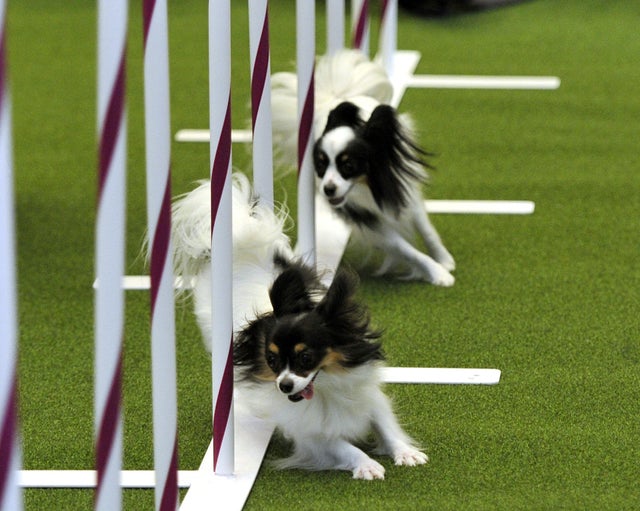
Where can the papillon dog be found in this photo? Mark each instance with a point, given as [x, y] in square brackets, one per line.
[305, 356]
[369, 167]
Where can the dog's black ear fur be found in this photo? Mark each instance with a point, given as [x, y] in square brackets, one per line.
[340, 293]
[348, 321]
[293, 290]
[345, 114]
[395, 157]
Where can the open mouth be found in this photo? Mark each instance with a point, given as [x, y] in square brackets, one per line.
[336, 201]
[306, 393]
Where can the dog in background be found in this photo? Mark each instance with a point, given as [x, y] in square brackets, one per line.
[369, 167]
[305, 357]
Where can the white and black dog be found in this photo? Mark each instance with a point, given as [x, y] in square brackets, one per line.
[305, 356]
[369, 167]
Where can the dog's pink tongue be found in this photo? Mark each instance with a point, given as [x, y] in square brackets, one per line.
[307, 392]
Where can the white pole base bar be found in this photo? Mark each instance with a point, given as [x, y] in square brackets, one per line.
[484, 82]
[87, 478]
[195, 135]
[441, 376]
[481, 207]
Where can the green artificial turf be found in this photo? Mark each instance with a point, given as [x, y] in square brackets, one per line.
[551, 299]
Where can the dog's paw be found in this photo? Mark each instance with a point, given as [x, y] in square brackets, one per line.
[369, 470]
[446, 260]
[441, 277]
[410, 457]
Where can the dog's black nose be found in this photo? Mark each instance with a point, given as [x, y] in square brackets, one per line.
[286, 386]
[329, 190]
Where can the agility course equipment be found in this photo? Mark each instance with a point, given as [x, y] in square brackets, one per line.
[158, 171]
[109, 297]
[260, 104]
[10, 494]
[221, 252]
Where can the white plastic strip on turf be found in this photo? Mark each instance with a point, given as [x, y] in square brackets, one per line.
[202, 135]
[481, 207]
[484, 82]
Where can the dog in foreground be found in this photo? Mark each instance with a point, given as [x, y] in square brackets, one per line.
[369, 167]
[305, 356]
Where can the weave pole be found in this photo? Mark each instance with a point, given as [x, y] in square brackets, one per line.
[158, 158]
[388, 33]
[10, 494]
[305, 63]
[360, 31]
[335, 26]
[221, 235]
[110, 243]
[261, 99]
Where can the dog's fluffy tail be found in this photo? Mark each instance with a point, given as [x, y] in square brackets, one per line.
[346, 76]
[258, 241]
[258, 231]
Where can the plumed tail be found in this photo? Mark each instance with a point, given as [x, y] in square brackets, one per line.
[346, 76]
[257, 230]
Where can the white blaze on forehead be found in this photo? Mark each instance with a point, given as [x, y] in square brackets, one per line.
[336, 140]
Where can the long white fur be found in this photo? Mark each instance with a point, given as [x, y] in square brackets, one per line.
[346, 405]
[257, 235]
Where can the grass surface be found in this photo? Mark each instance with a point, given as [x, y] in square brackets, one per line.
[551, 299]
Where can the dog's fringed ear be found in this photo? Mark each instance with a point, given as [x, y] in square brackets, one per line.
[348, 321]
[292, 292]
[345, 114]
[396, 158]
[340, 294]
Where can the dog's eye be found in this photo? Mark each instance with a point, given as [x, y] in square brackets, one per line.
[320, 162]
[306, 360]
[347, 168]
[272, 361]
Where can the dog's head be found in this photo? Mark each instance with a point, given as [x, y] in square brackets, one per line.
[377, 153]
[308, 336]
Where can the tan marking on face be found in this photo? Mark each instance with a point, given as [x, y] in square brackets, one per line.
[274, 348]
[299, 347]
[333, 361]
[265, 373]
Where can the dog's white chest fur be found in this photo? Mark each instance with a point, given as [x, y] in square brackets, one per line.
[341, 405]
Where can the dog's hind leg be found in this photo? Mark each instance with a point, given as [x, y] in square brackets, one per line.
[431, 238]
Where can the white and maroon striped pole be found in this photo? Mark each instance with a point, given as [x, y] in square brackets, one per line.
[260, 99]
[110, 244]
[158, 155]
[221, 241]
[305, 63]
[388, 33]
[10, 495]
[335, 26]
[360, 25]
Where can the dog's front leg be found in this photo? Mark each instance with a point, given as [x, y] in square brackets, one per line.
[393, 440]
[349, 457]
[422, 265]
[431, 237]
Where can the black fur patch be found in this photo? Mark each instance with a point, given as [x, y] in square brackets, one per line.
[345, 114]
[359, 216]
[338, 322]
